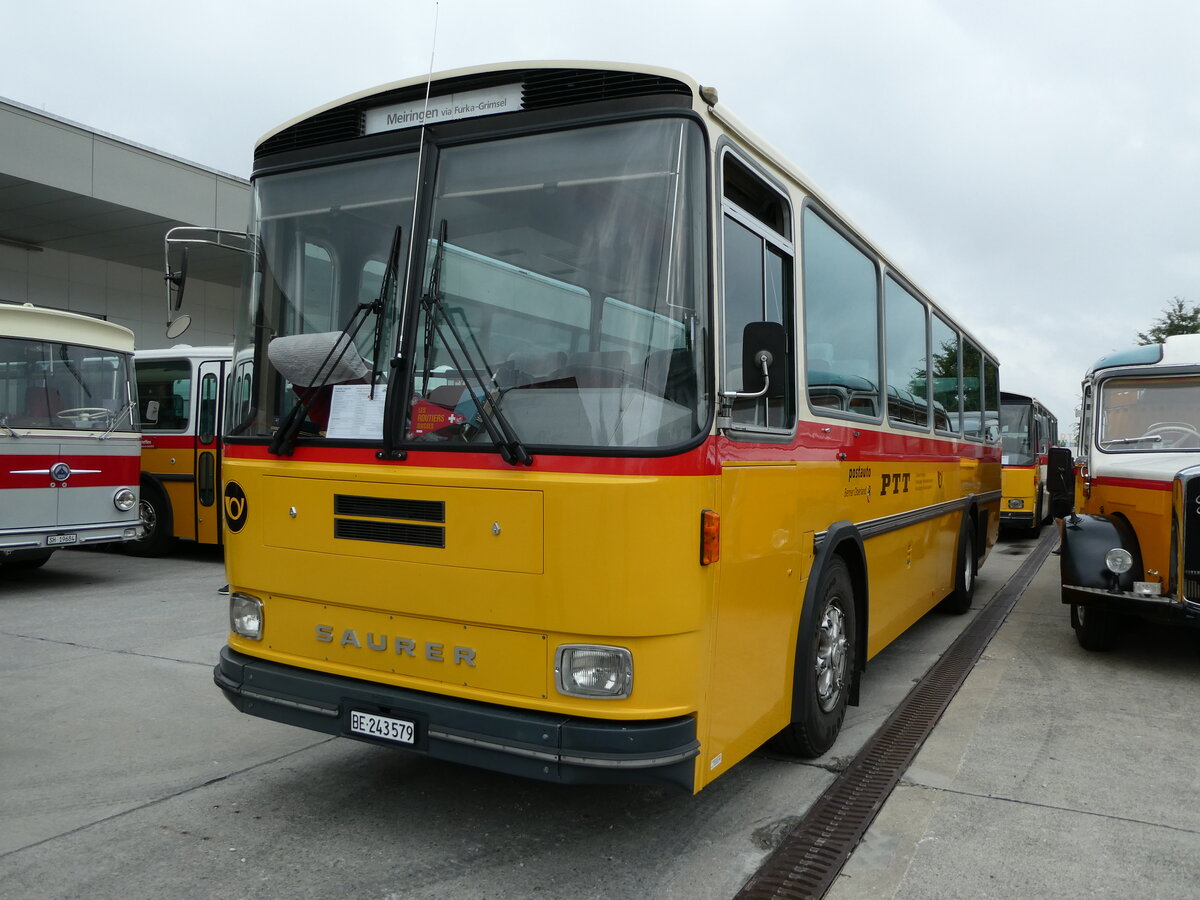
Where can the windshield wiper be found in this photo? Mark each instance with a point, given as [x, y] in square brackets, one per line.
[487, 399]
[4, 424]
[125, 410]
[1151, 438]
[386, 291]
[284, 440]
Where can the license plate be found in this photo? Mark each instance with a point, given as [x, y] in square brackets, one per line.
[56, 539]
[383, 727]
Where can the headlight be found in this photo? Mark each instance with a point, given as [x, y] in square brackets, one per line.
[124, 499]
[246, 616]
[1118, 560]
[585, 670]
[1016, 504]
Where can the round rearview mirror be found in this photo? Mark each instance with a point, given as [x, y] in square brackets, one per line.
[178, 326]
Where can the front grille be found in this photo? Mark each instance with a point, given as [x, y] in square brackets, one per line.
[390, 532]
[541, 89]
[388, 508]
[370, 509]
[1187, 490]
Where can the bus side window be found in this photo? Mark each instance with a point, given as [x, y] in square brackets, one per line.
[841, 320]
[758, 287]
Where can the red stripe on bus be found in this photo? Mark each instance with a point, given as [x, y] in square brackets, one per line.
[32, 470]
[168, 441]
[812, 443]
[1144, 484]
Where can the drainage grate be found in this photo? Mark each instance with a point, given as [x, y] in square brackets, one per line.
[807, 862]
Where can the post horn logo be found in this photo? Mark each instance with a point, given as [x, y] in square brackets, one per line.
[235, 506]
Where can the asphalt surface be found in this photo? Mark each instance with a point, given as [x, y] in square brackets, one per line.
[124, 773]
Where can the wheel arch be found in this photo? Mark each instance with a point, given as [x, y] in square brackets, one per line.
[1086, 538]
[841, 540]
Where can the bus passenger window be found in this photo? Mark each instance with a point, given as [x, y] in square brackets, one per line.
[946, 411]
[972, 390]
[841, 320]
[906, 324]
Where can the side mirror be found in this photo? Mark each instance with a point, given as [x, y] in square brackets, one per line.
[764, 342]
[180, 241]
[151, 415]
[1060, 481]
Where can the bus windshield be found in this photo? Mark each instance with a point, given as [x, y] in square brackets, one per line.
[1147, 414]
[1016, 421]
[50, 384]
[561, 289]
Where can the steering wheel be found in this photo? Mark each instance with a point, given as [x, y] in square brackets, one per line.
[1175, 433]
[84, 414]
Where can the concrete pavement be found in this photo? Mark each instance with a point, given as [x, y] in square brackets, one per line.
[1055, 772]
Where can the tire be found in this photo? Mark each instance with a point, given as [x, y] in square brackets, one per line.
[29, 560]
[155, 513]
[1095, 629]
[826, 654]
[1036, 528]
[959, 600]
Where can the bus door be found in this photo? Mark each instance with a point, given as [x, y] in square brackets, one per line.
[210, 397]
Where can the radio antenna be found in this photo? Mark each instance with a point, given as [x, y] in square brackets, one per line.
[414, 231]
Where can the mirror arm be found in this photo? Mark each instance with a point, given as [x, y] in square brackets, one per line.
[764, 359]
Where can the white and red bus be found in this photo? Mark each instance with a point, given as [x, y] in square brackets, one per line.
[69, 442]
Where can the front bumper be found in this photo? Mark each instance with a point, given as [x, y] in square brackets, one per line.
[545, 746]
[1158, 608]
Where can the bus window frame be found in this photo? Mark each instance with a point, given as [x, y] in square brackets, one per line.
[723, 207]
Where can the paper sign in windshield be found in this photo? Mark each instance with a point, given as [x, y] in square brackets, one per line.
[354, 414]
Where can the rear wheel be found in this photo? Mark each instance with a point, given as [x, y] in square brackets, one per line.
[825, 667]
[1095, 629]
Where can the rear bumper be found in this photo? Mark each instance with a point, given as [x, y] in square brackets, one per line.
[1014, 518]
[545, 746]
[1159, 608]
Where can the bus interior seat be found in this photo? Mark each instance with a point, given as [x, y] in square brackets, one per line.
[668, 374]
[523, 368]
[598, 368]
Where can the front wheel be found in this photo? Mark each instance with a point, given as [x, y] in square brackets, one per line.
[1095, 629]
[824, 668]
[960, 599]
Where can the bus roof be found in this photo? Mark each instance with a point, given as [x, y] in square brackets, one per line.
[1176, 350]
[186, 350]
[39, 323]
[333, 114]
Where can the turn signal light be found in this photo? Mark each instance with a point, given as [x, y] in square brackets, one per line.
[710, 537]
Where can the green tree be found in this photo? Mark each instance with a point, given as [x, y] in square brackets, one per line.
[1177, 318]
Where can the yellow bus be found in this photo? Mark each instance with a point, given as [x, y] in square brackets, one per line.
[181, 398]
[1132, 546]
[584, 440]
[1027, 432]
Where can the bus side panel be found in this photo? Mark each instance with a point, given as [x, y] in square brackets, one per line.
[171, 458]
[765, 559]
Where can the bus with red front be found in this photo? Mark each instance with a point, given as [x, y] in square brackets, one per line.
[69, 440]
[577, 436]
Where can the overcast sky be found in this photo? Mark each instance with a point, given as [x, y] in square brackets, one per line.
[1033, 165]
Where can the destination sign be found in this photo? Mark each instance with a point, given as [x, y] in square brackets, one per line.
[446, 108]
